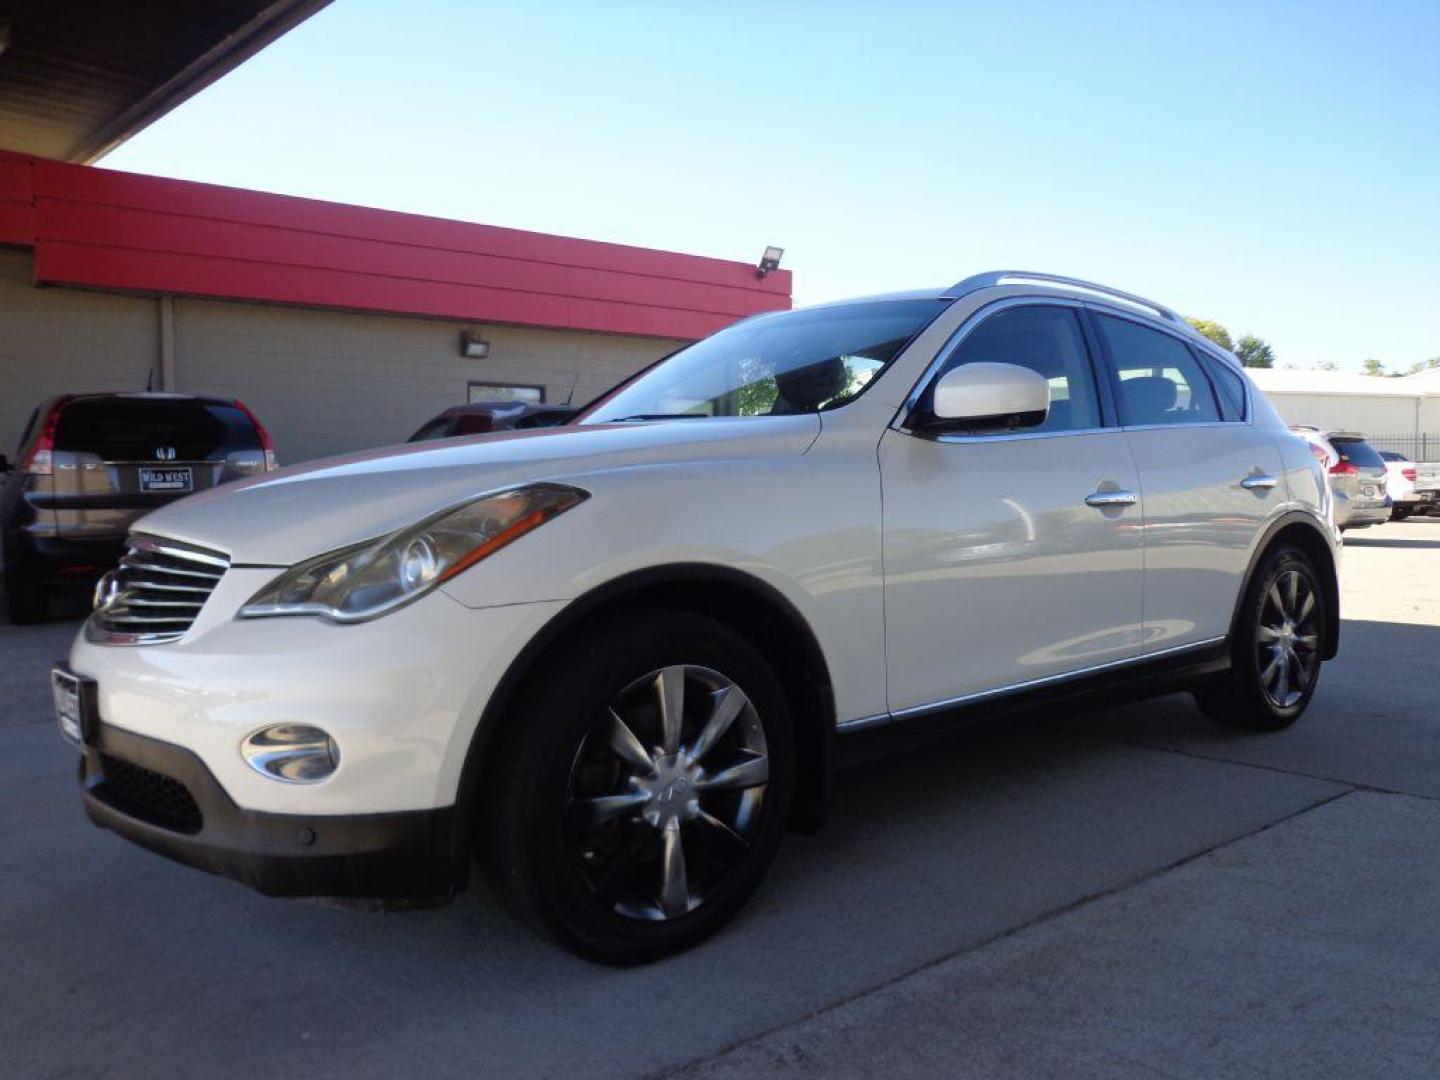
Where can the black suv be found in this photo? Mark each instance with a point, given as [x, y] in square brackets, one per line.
[90, 464]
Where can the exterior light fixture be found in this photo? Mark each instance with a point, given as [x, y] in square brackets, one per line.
[473, 346]
[769, 261]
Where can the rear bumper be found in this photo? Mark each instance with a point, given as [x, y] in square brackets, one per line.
[1352, 515]
[162, 797]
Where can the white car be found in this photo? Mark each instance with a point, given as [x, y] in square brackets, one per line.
[1400, 477]
[614, 658]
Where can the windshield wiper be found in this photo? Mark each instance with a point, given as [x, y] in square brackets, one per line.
[660, 416]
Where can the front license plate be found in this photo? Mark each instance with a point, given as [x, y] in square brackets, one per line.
[166, 480]
[75, 709]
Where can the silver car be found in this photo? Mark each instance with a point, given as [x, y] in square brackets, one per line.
[1357, 476]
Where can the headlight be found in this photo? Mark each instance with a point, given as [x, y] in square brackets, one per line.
[361, 582]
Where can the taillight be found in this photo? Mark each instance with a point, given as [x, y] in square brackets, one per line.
[1343, 468]
[265, 442]
[1408, 474]
[41, 459]
[1320, 453]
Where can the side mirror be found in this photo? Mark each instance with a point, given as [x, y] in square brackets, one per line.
[990, 396]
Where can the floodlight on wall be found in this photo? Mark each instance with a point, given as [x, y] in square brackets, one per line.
[769, 261]
[473, 346]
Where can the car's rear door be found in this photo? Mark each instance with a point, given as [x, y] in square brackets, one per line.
[1209, 477]
[1010, 558]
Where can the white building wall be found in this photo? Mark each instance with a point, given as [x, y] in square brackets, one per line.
[1373, 415]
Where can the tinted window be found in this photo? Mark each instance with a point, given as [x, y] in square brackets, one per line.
[133, 429]
[782, 364]
[1160, 381]
[439, 428]
[1048, 340]
[1358, 453]
[1229, 387]
[1391, 455]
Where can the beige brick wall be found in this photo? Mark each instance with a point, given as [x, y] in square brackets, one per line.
[56, 341]
[322, 382]
[330, 382]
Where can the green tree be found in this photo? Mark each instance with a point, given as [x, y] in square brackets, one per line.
[1254, 351]
[1214, 331]
[1373, 367]
[1424, 365]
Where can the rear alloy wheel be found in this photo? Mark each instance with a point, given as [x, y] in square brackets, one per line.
[1276, 649]
[649, 785]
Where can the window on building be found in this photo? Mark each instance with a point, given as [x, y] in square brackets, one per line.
[484, 391]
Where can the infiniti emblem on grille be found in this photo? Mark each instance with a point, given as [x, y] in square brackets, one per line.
[164, 453]
[106, 590]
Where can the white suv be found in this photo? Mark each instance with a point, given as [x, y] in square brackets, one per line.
[614, 659]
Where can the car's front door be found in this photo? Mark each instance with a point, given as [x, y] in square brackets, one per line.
[1010, 557]
[1210, 478]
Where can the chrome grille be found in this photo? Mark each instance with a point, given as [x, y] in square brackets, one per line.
[156, 592]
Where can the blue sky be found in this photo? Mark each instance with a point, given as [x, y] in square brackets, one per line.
[1272, 166]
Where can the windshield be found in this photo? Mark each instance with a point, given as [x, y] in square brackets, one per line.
[775, 365]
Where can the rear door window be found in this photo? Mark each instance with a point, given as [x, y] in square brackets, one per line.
[1158, 379]
[1359, 453]
[151, 429]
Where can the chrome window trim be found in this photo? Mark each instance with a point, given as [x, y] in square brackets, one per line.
[1188, 427]
[1029, 684]
[1016, 436]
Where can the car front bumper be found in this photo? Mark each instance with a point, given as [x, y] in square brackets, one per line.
[162, 797]
[401, 695]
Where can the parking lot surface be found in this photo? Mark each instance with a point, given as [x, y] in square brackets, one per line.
[1128, 892]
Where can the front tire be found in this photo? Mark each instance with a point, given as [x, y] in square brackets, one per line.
[640, 793]
[1275, 649]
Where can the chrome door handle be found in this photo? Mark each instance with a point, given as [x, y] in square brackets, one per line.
[1258, 482]
[1112, 498]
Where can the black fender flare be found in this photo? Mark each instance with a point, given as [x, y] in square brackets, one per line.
[812, 800]
[1319, 549]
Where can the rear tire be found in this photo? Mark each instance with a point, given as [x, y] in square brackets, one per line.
[1400, 513]
[641, 789]
[25, 600]
[1275, 649]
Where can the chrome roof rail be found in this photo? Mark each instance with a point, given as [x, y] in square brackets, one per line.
[991, 278]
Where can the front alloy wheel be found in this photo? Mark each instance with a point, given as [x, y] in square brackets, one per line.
[639, 792]
[667, 792]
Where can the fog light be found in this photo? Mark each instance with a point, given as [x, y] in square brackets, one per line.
[294, 753]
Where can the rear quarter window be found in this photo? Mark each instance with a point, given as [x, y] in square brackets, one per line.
[129, 429]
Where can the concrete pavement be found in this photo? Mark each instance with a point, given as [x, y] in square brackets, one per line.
[1129, 892]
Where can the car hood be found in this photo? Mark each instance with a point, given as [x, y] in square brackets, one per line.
[306, 510]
